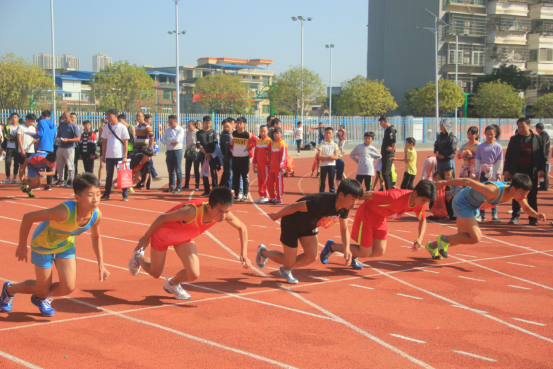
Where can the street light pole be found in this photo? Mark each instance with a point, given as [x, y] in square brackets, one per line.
[53, 63]
[331, 46]
[302, 19]
[177, 75]
[456, 70]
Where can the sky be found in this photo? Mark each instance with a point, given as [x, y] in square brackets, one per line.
[136, 31]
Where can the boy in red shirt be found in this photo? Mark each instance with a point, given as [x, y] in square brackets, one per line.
[261, 163]
[279, 152]
[369, 227]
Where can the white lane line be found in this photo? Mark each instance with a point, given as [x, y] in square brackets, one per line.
[191, 193]
[397, 230]
[472, 279]
[324, 279]
[468, 256]
[253, 225]
[524, 265]
[19, 361]
[356, 285]
[383, 262]
[241, 211]
[474, 355]
[406, 338]
[529, 322]
[412, 297]
[471, 309]
[522, 288]
[407, 247]
[274, 244]
[429, 271]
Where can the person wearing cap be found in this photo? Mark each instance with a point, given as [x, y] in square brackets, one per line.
[68, 135]
[114, 149]
[445, 147]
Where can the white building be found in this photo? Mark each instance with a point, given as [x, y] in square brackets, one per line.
[43, 60]
[100, 61]
[66, 61]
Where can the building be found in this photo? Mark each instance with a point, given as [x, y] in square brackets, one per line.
[66, 61]
[74, 89]
[43, 60]
[480, 35]
[100, 61]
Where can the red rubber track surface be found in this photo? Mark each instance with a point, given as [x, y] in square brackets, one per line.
[489, 304]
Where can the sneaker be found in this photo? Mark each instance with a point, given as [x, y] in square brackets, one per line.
[197, 188]
[47, 188]
[514, 220]
[7, 181]
[3, 157]
[260, 259]
[125, 197]
[45, 306]
[277, 202]
[5, 299]
[57, 184]
[442, 247]
[69, 184]
[287, 274]
[206, 194]
[131, 190]
[534, 223]
[25, 188]
[327, 251]
[15, 181]
[158, 178]
[244, 198]
[31, 194]
[185, 187]
[355, 264]
[480, 219]
[104, 198]
[298, 154]
[177, 290]
[435, 253]
[495, 218]
[134, 266]
[177, 191]
[168, 190]
[261, 200]
[236, 197]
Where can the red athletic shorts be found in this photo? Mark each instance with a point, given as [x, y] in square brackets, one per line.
[368, 226]
[168, 239]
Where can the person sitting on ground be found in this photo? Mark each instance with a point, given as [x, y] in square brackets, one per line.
[36, 165]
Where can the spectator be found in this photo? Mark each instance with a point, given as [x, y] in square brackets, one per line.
[327, 158]
[100, 143]
[261, 163]
[429, 168]
[275, 123]
[387, 150]
[340, 168]
[144, 134]
[468, 153]
[199, 125]
[270, 126]
[298, 133]
[25, 140]
[114, 149]
[88, 147]
[365, 155]
[207, 141]
[450, 192]
[140, 166]
[540, 129]
[11, 148]
[68, 135]
[173, 138]
[240, 159]
[341, 136]
[410, 164]
[488, 164]
[122, 118]
[279, 152]
[321, 128]
[445, 146]
[46, 134]
[225, 144]
[191, 145]
[525, 154]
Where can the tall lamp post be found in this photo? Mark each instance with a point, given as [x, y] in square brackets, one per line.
[53, 63]
[302, 19]
[331, 46]
[177, 74]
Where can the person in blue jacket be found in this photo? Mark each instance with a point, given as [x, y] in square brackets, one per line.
[46, 136]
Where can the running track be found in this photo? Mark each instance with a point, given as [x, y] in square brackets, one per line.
[487, 305]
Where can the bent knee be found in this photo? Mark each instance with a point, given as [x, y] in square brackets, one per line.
[193, 275]
[155, 273]
[67, 290]
[310, 258]
[377, 253]
[475, 239]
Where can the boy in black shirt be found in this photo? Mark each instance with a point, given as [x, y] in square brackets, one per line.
[207, 139]
[387, 151]
[300, 221]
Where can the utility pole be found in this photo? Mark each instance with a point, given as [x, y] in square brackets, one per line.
[53, 63]
[302, 19]
[331, 46]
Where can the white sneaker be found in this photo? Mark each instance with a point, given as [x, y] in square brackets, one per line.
[134, 266]
[177, 290]
[298, 154]
[7, 181]
[2, 157]
[244, 198]
[479, 218]
[15, 181]
[261, 200]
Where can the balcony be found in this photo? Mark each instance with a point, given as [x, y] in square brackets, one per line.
[508, 53]
[470, 55]
[507, 38]
[542, 10]
[465, 2]
[516, 8]
[509, 24]
[465, 25]
[542, 26]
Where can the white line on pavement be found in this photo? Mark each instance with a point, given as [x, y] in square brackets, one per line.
[406, 338]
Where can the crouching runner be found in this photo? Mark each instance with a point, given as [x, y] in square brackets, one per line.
[370, 228]
[37, 164]
[178, 228]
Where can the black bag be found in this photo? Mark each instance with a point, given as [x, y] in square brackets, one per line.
[191, 154]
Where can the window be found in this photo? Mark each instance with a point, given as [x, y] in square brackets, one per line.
[546, 55]
[67, 95]
[477, 57]
[167, 95]
[266, 80]
[533, 55]
[452, 57]
[266, 109]
[197, 74]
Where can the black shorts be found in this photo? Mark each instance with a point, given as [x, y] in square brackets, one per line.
[290, 236]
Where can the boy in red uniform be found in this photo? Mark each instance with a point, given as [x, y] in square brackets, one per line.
[37, 164]
[279, 152]
[369, 227]
[178, 228]
[261, 163]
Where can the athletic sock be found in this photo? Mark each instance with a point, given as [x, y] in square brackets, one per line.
[444, 239]
[433, 245]
[171, 282]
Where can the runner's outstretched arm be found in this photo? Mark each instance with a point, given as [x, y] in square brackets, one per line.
[422, 228]
[290, 209]
[344, 232]
[97, 247]
[531, 212]
[243, 233]
[488, 191]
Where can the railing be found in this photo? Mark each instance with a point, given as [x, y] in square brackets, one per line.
[542, 26]
[508, 53]
[466, 2]
[509, 24]
[466, 25]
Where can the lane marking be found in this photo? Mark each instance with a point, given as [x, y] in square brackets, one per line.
[324, 279]
[468, 256]
[356, 285]
[19, 361]
[406, 338]
[383, 262]
[397, 230]
[529, 266]
[429, 271]
[408, 247]
[474, 355]
[529, 322]
[241, 211]
[413, 297]
[260, 226]
[472, 279]
[470, 309]
[522, 288]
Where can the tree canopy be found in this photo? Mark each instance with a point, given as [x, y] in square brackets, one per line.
[363, 96]
[223, 93]
[509, 74]
[287, 94]
[497, 100]
[409, 104]
[543, 106]
[449, 94]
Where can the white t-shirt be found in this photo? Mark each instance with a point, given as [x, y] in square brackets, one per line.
[28, 144]
[299, 133]
[114, 147]
[13, 132]
[328, 148]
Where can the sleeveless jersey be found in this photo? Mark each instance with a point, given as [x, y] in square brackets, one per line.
[477, 200]
[51, 237]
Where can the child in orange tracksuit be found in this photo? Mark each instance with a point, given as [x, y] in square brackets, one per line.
[279, 152]
[261, 163]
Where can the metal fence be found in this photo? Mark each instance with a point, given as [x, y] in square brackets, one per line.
[422, 129]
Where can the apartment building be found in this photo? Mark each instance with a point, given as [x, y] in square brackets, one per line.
[99, 61]
[67, 61]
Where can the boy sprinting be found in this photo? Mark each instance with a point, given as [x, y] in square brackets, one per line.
[370, 227]
[277, 168]
[178, 228]
[410, 164]
[300, 222]
[53, 242]
[476, 196]
[365, 155]
[37, 165]
[327, 158]
[260, 163]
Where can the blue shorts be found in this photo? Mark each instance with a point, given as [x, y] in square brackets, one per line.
[45, 261]
[34, 172]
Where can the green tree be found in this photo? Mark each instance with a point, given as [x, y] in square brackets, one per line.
[497, 100]
[450, 97]
[19, 79]
[409, 104]
[510, 74]
[123, 86]
[362, 96]
[543, 106]
[222, 93]
[287, 94]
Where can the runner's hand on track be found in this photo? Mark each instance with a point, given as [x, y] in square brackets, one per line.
[416, 245]
[104, 274]
[541, 216]
[246, 263]
[142, 244]
[21, 253]
[348, 256]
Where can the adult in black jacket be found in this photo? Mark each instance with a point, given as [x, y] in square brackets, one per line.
[224, 145]
[525, 154]
[207, 141]
[445, 147]
[540, 129]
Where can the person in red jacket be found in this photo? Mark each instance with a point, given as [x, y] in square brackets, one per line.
[261, 163]
[279, 151]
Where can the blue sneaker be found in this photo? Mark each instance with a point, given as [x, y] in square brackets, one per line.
[5, 299]
[260, 259]
[327, 251]
[287, 274]
[355, 264]
[45, 306]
